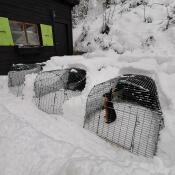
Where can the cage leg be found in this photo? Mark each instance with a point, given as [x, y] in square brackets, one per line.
[98, 123]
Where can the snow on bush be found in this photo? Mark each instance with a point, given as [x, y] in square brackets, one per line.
[79, 12]
[126, 25]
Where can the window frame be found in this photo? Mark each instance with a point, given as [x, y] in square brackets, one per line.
[24, 24]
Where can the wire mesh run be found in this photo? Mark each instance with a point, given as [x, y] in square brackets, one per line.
[126, 111]
[53, 88]
[16, 77]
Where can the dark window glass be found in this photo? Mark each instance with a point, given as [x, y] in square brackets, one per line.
[32, 34]
[18, 33]
[24, 34]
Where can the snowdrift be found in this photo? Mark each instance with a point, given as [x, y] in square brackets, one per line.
[33, 142]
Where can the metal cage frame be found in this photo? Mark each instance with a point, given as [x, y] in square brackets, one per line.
[16, 77]
[126, 111]
[53, 88]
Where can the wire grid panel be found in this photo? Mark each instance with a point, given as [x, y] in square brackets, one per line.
[136, 127]
[53, 88]
[16, 78]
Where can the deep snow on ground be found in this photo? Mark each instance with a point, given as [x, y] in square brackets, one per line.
[128, 31]
[33, 142]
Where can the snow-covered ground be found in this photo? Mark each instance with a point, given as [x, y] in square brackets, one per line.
[33, 142]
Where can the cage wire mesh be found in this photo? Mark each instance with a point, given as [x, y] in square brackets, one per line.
[126, 111]
[16, 77]
[53, 88]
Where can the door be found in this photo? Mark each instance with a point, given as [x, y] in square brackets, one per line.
[61, 38]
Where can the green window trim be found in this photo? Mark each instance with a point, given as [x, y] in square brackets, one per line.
[47, 35]
[5, 33]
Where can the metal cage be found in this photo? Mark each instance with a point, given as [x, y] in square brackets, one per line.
[53, 88]
[16, 77]
[126, 111]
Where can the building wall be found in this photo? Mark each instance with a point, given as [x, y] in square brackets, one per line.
[37, 12]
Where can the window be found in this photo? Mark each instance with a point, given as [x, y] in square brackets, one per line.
[24, 34]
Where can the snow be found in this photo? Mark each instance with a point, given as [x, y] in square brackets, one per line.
[33, 142]
[128, 31]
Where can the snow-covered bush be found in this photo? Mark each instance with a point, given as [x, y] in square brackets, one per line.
[150, 41]
[79, 12]
[127, 25]
[148, 19]
[170, 20]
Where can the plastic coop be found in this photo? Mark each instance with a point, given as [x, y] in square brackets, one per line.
[16, 77]
[53, 88]
[126, 111]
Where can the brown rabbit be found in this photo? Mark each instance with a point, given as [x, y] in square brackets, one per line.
[110, 115]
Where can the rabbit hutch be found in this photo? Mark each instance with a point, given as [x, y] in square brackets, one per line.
[53, 88]
[126, 111]
[16, 76]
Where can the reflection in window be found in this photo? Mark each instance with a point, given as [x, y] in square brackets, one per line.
[24, 34]
[32, 34]
[18, 33]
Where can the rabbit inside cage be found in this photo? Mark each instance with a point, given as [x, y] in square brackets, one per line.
[126, 111]
[53, 88]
